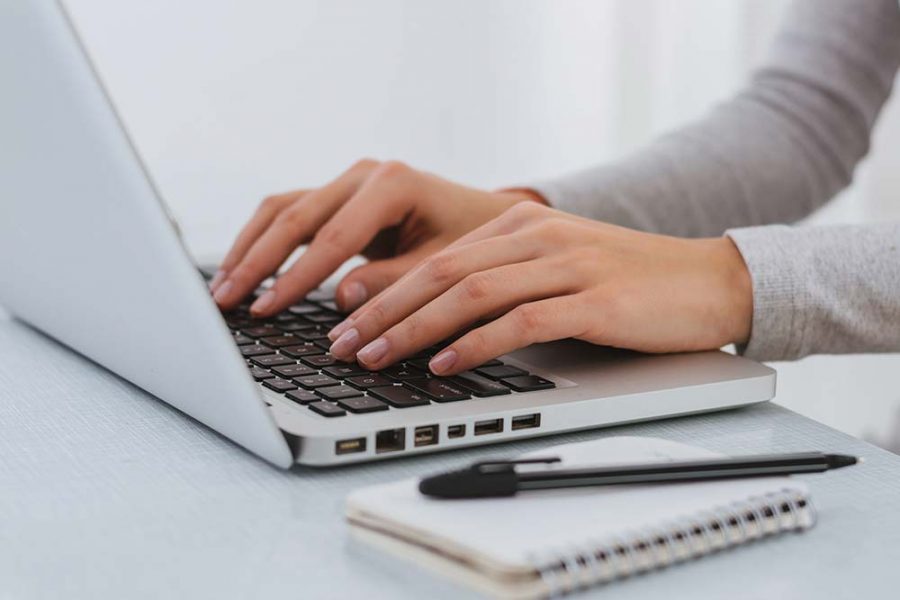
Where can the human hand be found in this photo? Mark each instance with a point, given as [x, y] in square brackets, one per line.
[387, 211]
[544, 275]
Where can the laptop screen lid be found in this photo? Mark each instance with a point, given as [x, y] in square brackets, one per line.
[87, 252]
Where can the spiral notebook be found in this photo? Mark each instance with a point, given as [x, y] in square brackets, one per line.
[543, 543]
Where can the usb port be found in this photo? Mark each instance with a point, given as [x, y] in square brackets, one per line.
[456, 431]
[350, 446]
[427, 435]
[526, 421]
[485, 427]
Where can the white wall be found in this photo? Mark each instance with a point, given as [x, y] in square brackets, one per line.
[229, 101]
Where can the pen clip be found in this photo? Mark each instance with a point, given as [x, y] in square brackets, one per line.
[488, 464]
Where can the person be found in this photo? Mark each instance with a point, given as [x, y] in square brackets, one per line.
[678, 247]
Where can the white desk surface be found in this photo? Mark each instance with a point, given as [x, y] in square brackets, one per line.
[106, 492]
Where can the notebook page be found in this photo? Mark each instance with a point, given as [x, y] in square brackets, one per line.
[513, 532]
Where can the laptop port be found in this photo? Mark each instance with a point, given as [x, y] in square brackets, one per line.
[426, 435]
[485, 427]
[456, 431]
[350, 446]
[526, 421]
[390, 440]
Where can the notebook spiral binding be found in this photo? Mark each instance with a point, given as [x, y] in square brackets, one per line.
[590, 564]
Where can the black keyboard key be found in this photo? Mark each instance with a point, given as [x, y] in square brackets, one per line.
[279, 385]
[297, 325]
[304, 308]
[491, 363]
[501, 372]
[369, 380]
[271, 360]
[362, 404]
[316, 381]
[254, 350]
[419, 363]
[528, 383]
[238, 322]
[300, 350]
[242, 340]
[284, 318]
[291, 371]
[338, 392]
[324, 343]
[279, 341]
[399, 396]
[403, 372]
[261, 331]
[302, 396]
[327, 409]
[260, 374]
[342, 371]
[478, 385]
[311, 335]
[320, 361]
[439, 389]
[323, 318]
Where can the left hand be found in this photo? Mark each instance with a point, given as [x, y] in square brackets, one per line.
[544, 275]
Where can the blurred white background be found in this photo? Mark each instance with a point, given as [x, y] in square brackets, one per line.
[231, 100]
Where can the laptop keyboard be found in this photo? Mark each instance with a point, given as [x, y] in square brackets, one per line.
[288, 354]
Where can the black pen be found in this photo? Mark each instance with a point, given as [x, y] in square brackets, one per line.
[500, 478]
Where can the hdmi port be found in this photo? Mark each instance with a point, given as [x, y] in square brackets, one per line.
[492, 426]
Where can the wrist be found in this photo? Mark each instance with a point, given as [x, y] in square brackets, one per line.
[522, 195]
[737, 291]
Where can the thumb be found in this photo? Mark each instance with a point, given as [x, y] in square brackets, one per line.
[366, 281]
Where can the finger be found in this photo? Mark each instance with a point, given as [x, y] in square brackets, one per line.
[374, 285]
[348, 321]
[370, 279]
[258, 223]
[291, 227]
[382, 201]
[430, 279]
[535, 322]
[511, 221]
[479, 294]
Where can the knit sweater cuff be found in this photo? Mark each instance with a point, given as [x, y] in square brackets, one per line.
[777, 329]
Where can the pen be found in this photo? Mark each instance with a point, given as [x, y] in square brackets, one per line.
[500, 478]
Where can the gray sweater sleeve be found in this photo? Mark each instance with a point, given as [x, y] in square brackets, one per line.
[772, 154]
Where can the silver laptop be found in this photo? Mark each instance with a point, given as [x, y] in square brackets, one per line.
[90, 257]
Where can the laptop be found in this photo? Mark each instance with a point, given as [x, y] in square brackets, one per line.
[91, 258]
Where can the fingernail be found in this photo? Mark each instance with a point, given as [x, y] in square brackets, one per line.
[443, 362]
[346, 344]
[263, 302]
[340, 328]
[221, 294]
[373, 352]
[354, 295]
[217, 279]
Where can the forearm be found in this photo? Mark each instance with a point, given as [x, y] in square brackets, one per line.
[822, 290]
[772, 154]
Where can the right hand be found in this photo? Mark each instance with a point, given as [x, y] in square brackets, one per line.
[392, 214]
